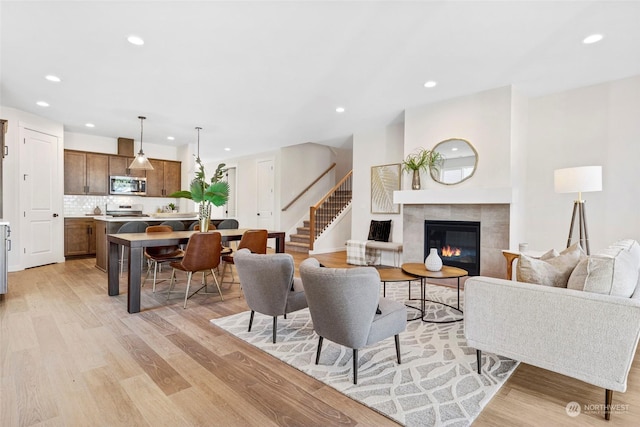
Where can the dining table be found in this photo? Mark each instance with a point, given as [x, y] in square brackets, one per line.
[136, 242]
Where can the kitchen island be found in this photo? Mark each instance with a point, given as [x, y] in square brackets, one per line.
[107, 224]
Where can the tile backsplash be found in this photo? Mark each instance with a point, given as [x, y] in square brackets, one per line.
[82, 205]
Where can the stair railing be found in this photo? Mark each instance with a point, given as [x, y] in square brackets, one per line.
[309, 187]
[321, 215]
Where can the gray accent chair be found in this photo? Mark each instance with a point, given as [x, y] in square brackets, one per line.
[268, 285]
[343, 304]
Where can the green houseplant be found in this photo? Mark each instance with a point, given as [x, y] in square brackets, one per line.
[421, 159]
[215, 191]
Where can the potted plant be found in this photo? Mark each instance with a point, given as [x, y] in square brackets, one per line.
[421, 159]
[215, 191]
[173, 207]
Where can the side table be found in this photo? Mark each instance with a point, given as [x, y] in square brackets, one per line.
[397, 275]
[419, 270]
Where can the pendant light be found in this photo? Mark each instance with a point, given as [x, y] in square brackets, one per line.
[141, 161]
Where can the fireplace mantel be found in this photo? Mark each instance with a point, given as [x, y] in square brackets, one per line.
[453, 196]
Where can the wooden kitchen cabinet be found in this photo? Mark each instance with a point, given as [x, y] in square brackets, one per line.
[79, 236]
[119, 166]
[86, 173]
[164, 179]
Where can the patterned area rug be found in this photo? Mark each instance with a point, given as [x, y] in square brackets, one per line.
[436, 384]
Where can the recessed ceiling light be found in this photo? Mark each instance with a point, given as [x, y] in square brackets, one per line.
[42, 103]
[135, 40]
[227, 149]
[170, 138]
[454, 149]
[430, 83]
[340, 110]
[90, 125]
[593, 38]
[53, 78]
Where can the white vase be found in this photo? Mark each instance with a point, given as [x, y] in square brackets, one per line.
[433, 261]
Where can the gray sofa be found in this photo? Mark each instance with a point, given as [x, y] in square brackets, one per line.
[589, 331]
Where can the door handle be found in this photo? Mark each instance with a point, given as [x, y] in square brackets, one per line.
[55, 215]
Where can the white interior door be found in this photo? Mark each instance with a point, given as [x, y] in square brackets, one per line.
[40, 199]
[266, 195]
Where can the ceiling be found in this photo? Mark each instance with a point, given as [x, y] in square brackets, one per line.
[261, 75]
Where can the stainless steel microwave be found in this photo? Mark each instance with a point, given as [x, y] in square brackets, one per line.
[131, 185]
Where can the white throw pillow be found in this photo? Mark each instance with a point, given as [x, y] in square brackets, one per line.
[613, 272]
[553, 271]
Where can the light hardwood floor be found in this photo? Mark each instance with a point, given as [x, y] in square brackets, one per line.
[72, 356]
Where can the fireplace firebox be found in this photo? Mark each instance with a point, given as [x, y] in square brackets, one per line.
[458, 243]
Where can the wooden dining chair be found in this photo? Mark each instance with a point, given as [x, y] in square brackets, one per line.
[201, 255]
[254, 240]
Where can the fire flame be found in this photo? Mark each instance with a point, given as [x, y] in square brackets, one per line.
[448, 251]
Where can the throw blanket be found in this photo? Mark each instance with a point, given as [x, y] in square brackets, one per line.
[359, 254]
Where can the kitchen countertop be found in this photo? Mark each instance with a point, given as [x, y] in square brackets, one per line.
[109, 218]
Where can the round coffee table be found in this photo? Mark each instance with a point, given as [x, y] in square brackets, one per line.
[397, 275]
[419, 270]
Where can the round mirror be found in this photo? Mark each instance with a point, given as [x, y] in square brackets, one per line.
[458, 161]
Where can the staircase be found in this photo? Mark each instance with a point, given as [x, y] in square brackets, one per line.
[325, 213]
[301, 239]
[321, 215]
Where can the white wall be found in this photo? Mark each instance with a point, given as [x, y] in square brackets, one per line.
[518, 168]
[247, 184]
[303, 164]
[483, 119]
[11, 173]
[374, 147]
[594, 125]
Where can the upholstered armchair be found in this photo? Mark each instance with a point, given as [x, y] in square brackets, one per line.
[343, 303]
[268, 285]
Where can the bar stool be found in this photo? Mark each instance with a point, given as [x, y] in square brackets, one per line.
[160, 254]
[130, 227]
[175, 225]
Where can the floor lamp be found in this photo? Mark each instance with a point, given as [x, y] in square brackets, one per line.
[578, 180]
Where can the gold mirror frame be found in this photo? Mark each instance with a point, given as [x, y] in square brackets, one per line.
[445, 149]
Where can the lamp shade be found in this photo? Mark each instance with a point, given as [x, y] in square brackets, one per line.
[141, 161]
[578, 180]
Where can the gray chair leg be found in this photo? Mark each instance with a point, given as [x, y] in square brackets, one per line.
[251, 320]
[608, 398]
[397, 337]
[319, 349]
[355, 366]
[275, 326]
[479, 360]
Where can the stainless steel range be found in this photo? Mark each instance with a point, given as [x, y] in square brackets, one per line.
[124, 211]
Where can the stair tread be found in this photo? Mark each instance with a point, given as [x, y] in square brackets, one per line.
[299, 244]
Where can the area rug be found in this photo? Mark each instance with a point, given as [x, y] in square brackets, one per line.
[436, 384]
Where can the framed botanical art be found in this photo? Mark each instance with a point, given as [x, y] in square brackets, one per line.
[385, 179]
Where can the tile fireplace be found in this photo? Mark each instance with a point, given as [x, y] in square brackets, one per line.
[493, 220]
[457, 242]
